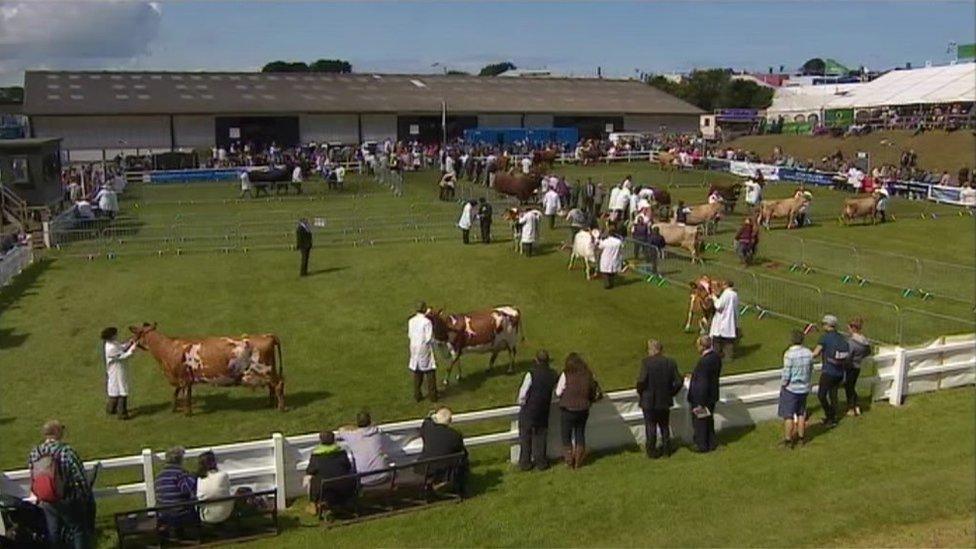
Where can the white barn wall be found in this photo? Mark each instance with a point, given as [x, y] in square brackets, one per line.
[653, 123]
[500, 121]
[194, 131]
[379, 127]
[343, 128]
[102, 132]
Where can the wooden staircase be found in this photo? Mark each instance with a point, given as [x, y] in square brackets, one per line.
[14, 212]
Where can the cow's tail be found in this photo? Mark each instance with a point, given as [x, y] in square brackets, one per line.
[519, 328]
[281, 360]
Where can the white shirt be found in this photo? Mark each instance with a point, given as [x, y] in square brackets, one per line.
[726, 318]
[530, 226]
[526, 165]
[340, 174]
[623, 199]
[116, 353]
[215, 485]
[610, 260]
[296, 175]
[550, 202]
[753, 192]
[107, 200]
[465, 221]
[523, 393]
[245, 180]
[614, 198]
[420, 332]
[855, 177]
[449, 164]
[968, 196]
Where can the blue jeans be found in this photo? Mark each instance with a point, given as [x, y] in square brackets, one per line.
[70, 523]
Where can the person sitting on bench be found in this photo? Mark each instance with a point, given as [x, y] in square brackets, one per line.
[440, 440]
[329, 460]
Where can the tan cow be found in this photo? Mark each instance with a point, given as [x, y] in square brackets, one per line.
[686, 237]
[788, 208]
[861, 207]
[707, 215]
[247, 360]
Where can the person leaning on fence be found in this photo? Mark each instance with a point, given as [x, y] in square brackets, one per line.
[174, 485]
[797, 374]
[328, 461]
[860, 348]
[441, 440]
[657, 384]
[577, 390]
[534, 399]
[60, 487]
[703, 391]
[834, 351]
[212, 483]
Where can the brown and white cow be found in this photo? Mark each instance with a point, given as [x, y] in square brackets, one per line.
[861, 207]
[486, 331]
[686, 237]
[788, 208]
[247, 360]
[701, 304]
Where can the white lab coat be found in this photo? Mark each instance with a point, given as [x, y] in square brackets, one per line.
[340, 174]
[726, 318]
[530, 226]
[550, 202]
[107, 200]
[115, 355]
[245, 180]
[466, 214]
[420, 331]
[296, 175]
[614, 198]
[610, 259]
[526, 165]
[753, 192]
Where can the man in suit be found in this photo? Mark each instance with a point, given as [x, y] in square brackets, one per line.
[440, 439]
[484, 219]
[657, 384]
[703, 395]
[303, 241]
[535, 398]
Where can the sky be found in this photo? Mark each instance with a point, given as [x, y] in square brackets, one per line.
[623, 38]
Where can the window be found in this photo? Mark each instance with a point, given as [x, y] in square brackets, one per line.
[19, 170]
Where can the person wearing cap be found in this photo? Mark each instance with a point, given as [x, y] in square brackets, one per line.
[117, 385]
[70, 520]
[835, 353]
[534, 400]
[420, 332]
[175, 485]
[303, 242]
[440, 439]
[797, 374]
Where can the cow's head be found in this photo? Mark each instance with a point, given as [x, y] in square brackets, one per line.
[139, 334]
[438, 323]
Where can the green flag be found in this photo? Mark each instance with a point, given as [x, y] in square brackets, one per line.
[966, 51]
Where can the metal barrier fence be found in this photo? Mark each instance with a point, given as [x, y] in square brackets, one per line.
[805, 303]
[14, 262]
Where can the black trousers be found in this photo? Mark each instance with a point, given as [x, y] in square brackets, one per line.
[486, 233]
[850, 386]
[655, 420]
[418, 381]
[608, 279]
[304, 269]
[465, 235]
[704, 432]
[532, 446]
[527, 248]
[573, 427]
[552, 221]
[827, 395]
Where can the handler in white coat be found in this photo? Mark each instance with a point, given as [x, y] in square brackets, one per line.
[464, 222]
[530, 229]
[420, 331]
[724, 330]
[551, 205]
[611, 260]
[118, 380]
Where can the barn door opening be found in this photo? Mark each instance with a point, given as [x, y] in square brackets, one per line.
[258, 131]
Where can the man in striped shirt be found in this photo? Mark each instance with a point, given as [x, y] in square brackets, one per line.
[175, 485]
[797, 371]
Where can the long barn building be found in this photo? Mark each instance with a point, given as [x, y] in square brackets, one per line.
[192, 110]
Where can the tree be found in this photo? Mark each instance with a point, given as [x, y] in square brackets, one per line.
[713, 89]
[331, 65]
[457, 73]
[745, 94]
[285, 66]
[814, 67]
[704, 87]
[497, 68]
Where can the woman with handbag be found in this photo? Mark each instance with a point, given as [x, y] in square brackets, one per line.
[577, 390]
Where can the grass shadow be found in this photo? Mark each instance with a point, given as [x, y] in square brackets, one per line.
[475, 380]
[228, 400]
[742, 351]
[21, 286]
[326, 270]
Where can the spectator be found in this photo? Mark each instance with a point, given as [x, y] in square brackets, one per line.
[441, 440]
[108, 201]
[297, 178]
[534, 399]
[745, 241]
[797, 373]
[945, 180]
[968, 196]
[174, 485]
[340, 176]
[577, 391]
[61, 488]
[657, 384]
[598, 198]
[834, 350]
[703, 389]
[724, 330]
[329, 461]
[367, 445]
[641, 237]
[213, 483]
[611, 259]
[860, 348]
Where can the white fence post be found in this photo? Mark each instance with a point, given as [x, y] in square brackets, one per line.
[900, 382]
[281, 477]
[148, 477]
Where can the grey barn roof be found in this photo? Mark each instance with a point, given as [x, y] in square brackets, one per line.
[112, 93]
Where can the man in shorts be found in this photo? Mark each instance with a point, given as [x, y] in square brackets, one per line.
[797, 371]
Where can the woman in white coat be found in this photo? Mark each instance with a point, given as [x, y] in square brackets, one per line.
[467, 217]
[118, 380]
[611, 259]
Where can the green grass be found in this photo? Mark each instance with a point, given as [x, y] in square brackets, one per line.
[884, 477]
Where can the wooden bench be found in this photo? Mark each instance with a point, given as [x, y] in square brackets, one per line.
[255, 516]
[409, 486]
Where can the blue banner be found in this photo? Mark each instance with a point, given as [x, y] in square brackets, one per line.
[186, 176]
[804, 176]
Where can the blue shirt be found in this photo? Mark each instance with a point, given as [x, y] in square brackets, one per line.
[175, 485]
[835, 353]
[797, 369]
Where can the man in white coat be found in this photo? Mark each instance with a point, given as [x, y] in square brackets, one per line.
[611, 260]
[529, 221]
[464, 222]
[550, 205]
[724, 330]
[526, 165]
[753, 193]
[420, 331]
[118, 381]
[107, 200]
[246, 186]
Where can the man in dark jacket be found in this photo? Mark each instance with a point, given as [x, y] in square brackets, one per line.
[703, 395]
[535, 397]
[484, 220]
[329, 460]
[303, 241]
[656, 245]
[441, 440]
[657, 384]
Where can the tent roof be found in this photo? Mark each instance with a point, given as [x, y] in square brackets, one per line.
[807, 98]
[944, 84]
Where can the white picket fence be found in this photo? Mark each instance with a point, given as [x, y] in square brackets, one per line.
[13, 262]
[615, 422]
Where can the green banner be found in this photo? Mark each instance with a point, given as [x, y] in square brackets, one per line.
[797, 128]
[966, 51]
[835, 118]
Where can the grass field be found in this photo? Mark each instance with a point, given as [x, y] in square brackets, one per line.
[937, 151]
